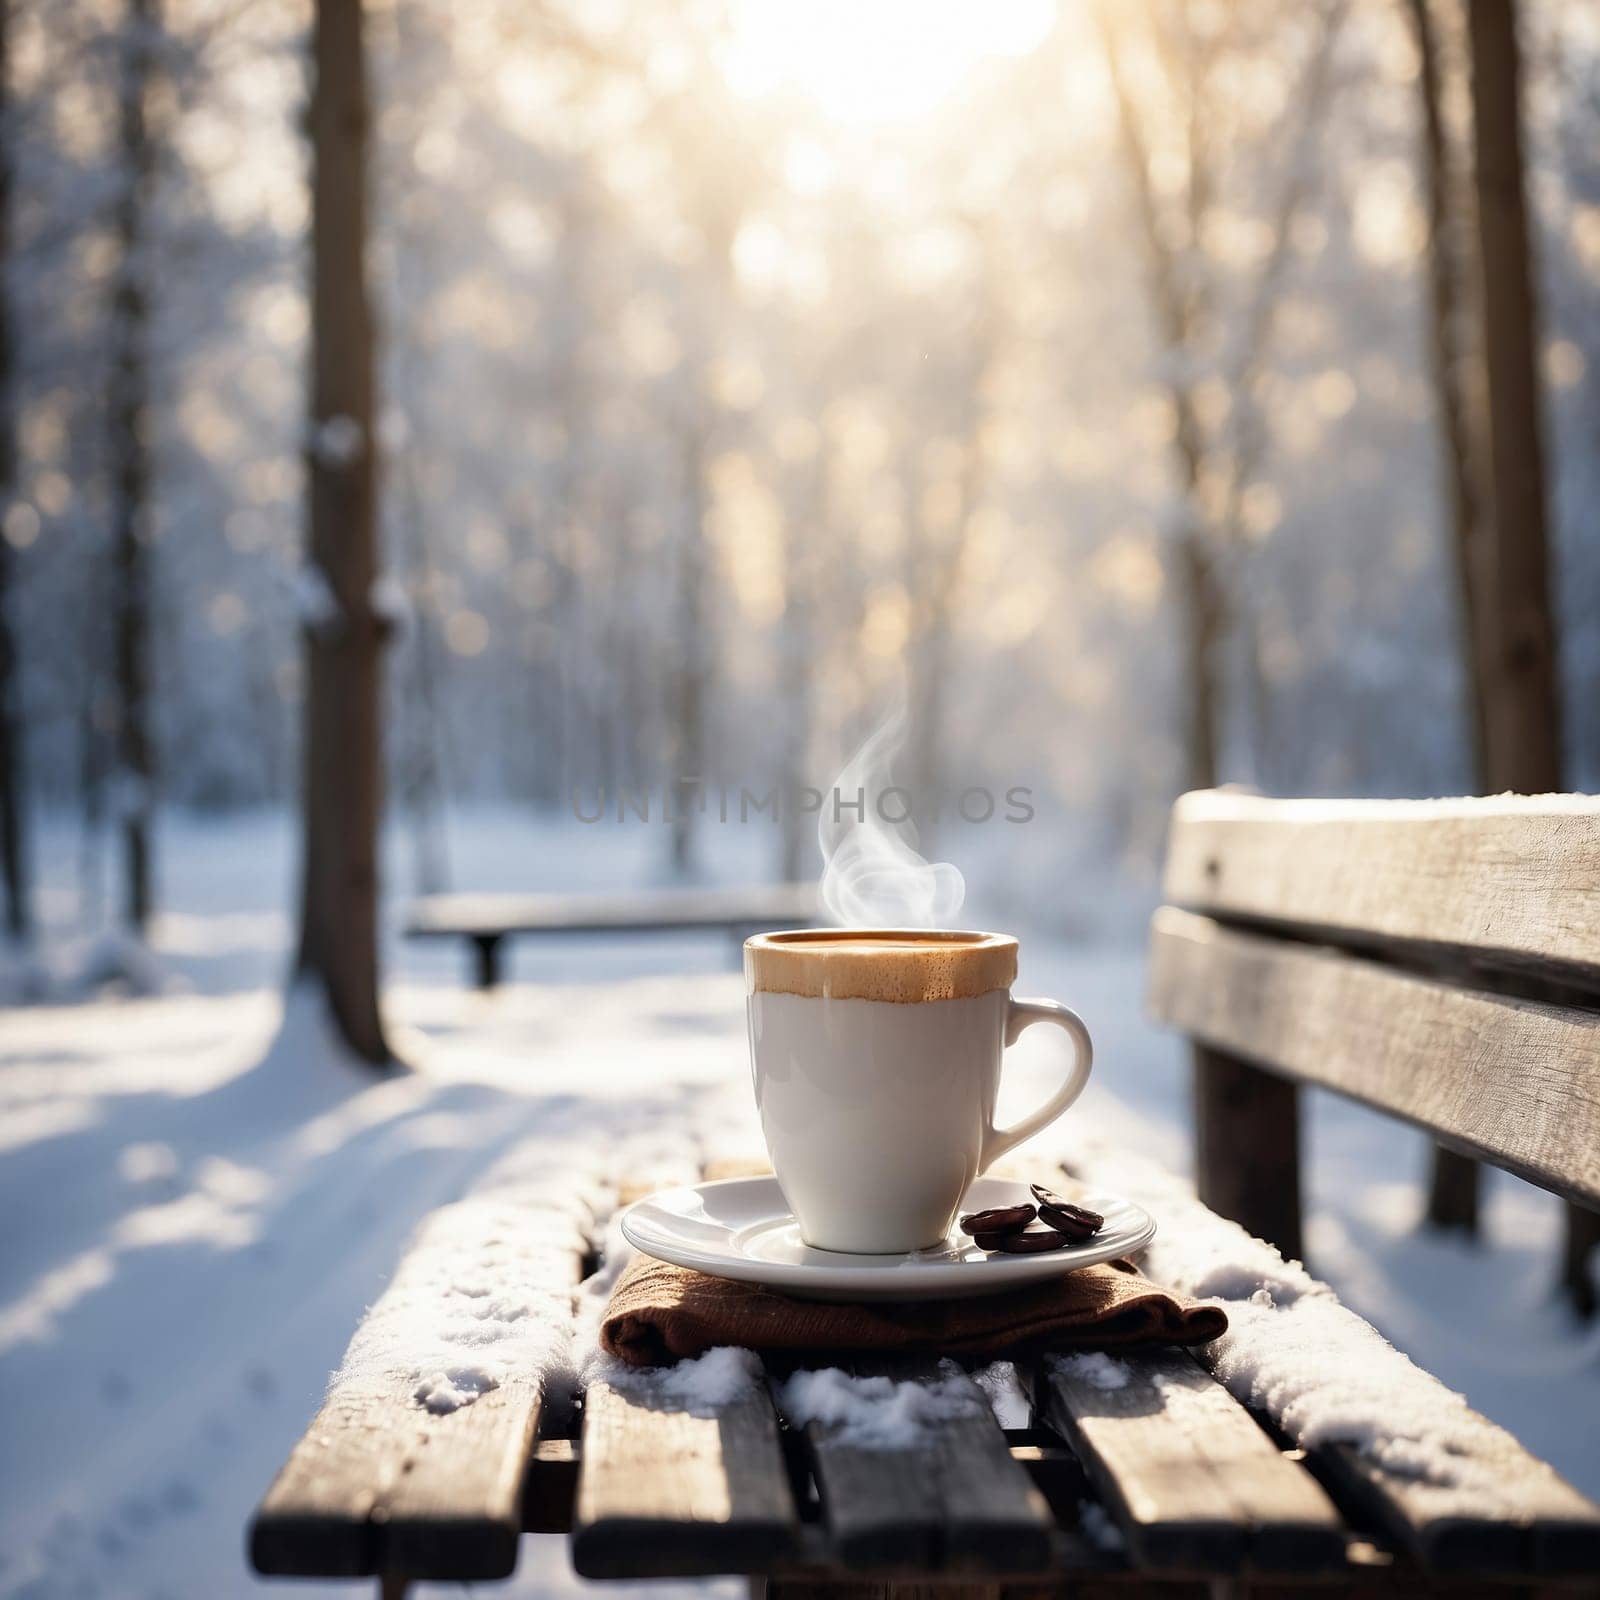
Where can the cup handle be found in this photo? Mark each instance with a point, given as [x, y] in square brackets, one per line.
[1024, 1013]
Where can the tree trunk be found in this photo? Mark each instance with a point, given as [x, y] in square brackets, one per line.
[1211, 599]
[421, 763]
[927, 655]
[343, 744]
[1448, 361]
[1516, 626]
[13, 847]
[922, 758]
[936, 570]
[1517, 633]
[1453, 1181]
[1187, 553]
[806, 521]
[796, 827]
[682, 785]
[685, 784]
[933, 580]
[1203, 624]
[423, 767]
[128, 408]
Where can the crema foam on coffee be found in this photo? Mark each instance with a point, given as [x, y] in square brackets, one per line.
[903, 967]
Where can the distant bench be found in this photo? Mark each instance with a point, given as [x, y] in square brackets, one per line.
[486, 920]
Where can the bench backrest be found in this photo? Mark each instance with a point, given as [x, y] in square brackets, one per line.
[1439, 960]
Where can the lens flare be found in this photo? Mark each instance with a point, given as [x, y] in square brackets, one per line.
[875, 61]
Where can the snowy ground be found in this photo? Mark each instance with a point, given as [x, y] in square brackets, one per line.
[201, 1197]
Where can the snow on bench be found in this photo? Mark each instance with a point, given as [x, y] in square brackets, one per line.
[1461, 1494]
[423, 1461]
[417, 1460]
[417, 1457]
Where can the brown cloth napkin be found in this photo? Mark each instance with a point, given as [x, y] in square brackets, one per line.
[659, 1313]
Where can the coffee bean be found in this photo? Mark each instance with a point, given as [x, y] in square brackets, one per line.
[1077, 1222]
[1029, 1242]
[1000, 1219]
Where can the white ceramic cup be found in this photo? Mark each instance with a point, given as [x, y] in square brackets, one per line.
[879, 1112]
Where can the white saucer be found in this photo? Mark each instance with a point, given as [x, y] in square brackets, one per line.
[741, 1228]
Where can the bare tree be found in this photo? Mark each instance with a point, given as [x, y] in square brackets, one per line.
[345, 630]
[1187, 549]
[128, 410]
[1515, 626]
[421, 763]
[699, 127]
[13, 847]
[1450, 348]
[1522, 714]
[1453, 1180]
[691, 666]
[1213, 468]
[1202, 548]
[808, 513]
[937, 549]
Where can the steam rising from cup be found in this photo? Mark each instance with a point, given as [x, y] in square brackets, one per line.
[872, 874]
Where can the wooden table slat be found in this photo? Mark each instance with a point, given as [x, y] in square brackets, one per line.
[378, 1483]
[457, 1508]
[957, 1502]
[666, 1492]
[1191, 1478]
[1508, 1514]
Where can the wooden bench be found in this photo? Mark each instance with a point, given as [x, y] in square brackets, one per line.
[1179, 1472]
[1165, 1483]
[486, 921]
[1437, 960]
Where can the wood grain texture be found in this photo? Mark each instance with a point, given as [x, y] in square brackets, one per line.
[376, 1484]
[663, 1492]
[1193, 1481]
[457, 1508]
[1508, 881]
[316, 1520]
[1508, 1514]
[1247, 1146]
[1513, 1082]
[780, 905]
[379, 1484]
[957, 1502]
